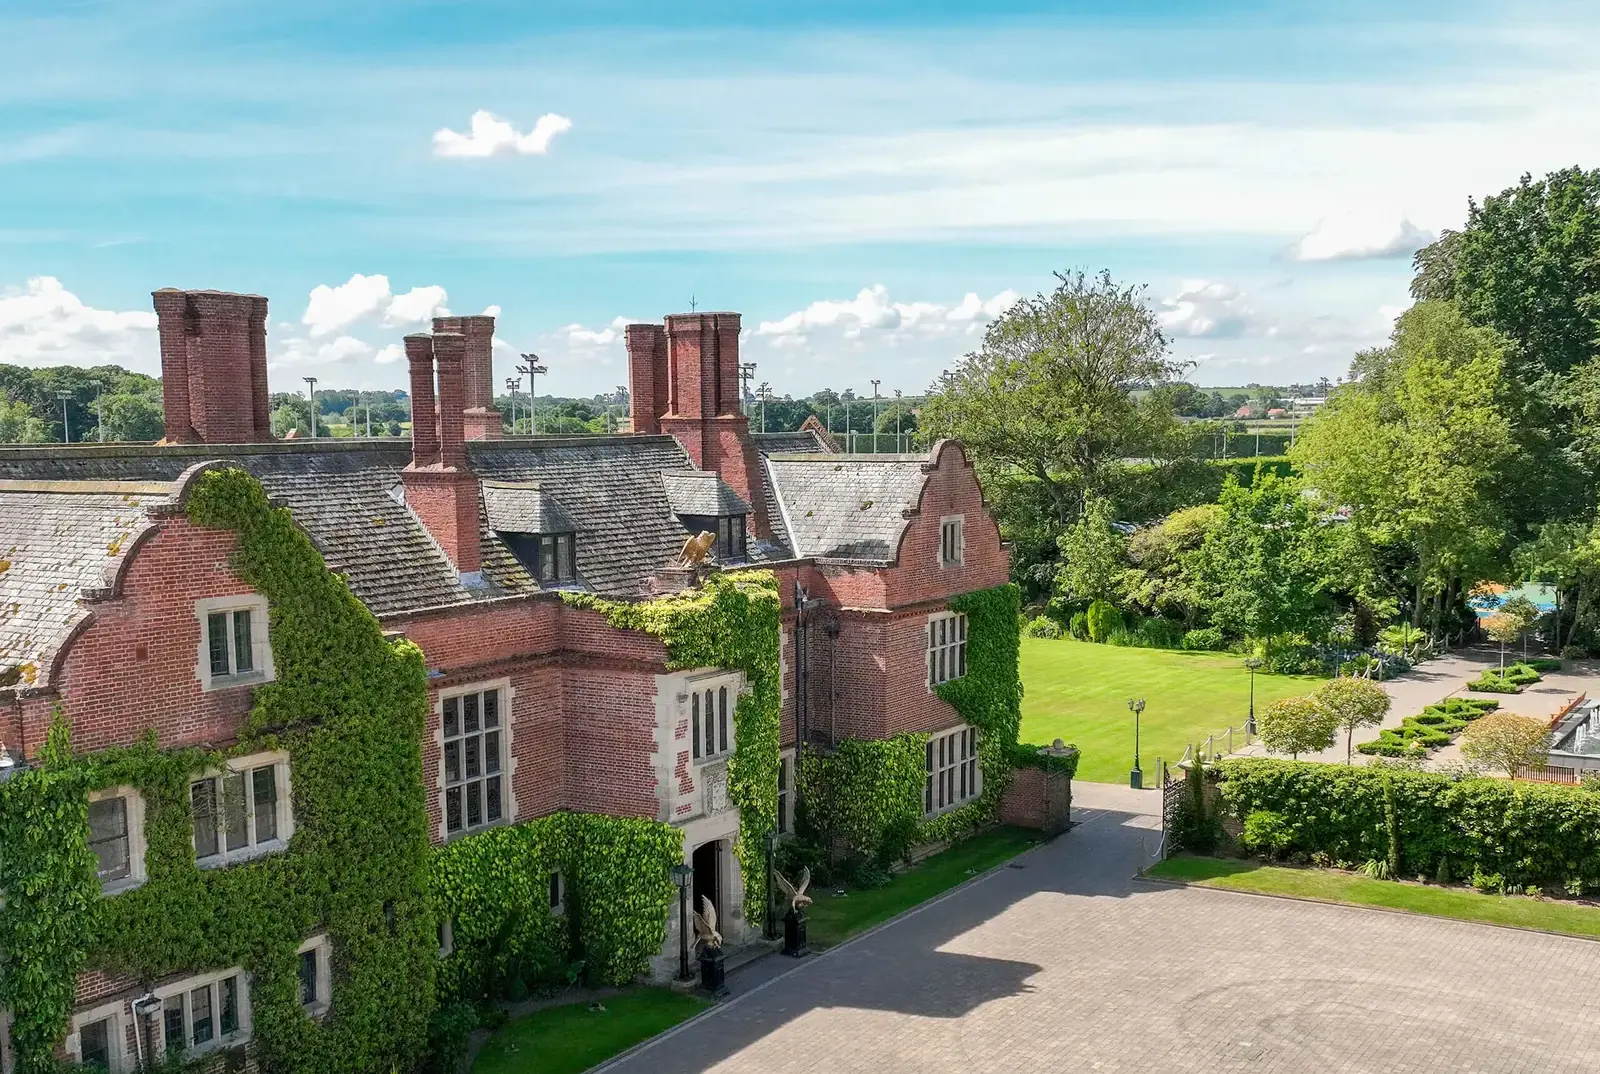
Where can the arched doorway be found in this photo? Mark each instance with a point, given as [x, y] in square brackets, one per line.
[707, 862]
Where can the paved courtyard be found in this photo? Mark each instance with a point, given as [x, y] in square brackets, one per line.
[1065, 965]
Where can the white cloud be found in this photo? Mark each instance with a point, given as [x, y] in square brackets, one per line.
[492, 136]
[300, 352]
[491, 311]
[872, 314]
[1206, 309]
[361, 298]
[1360, 235]
[577, 336]
[44, 324]
[391, 352]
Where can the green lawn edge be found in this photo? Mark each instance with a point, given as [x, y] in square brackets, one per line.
[832, 919]
[572, 1038]
[1326, 885]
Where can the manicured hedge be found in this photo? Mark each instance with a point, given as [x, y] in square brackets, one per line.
[1433, 727]
[1509, 681]
[1506, 835]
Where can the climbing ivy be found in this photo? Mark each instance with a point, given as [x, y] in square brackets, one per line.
[47, 877]
[730, 621]
[349, 708]
[862, 792]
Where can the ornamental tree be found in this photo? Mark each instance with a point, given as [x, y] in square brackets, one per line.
[1506, 742]
[1502, 628]
[1352, 703]
[1296, 725]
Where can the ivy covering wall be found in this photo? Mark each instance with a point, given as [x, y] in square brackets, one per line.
[867, 795]
[731, 621]
[494, 889]
[349, 707]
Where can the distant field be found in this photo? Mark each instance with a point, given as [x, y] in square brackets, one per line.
[1078, 691]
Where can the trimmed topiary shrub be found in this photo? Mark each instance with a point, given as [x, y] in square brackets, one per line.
[1103, 620]
[1078, 626]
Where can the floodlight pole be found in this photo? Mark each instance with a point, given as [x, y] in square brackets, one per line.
[311, 402]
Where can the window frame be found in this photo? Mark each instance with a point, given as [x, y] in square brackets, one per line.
[262, 669]
[947, 650]
[952, 776]
[322, 947]
[133, 814]
[733, 534]
[220, 1041]
[952, 551]
[117, 1014]
[283, 789]
[507, 761]
[720, 691]
[786, 793]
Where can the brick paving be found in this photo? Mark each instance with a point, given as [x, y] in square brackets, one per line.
[1065, 965]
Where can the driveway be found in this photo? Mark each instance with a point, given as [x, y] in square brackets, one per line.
[1061, 963]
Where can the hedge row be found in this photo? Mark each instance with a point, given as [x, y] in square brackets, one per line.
[1503, 834]
[1509, 681]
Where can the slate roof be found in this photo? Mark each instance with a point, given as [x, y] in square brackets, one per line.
[796, 443]
[847, 507]
[58, 539]
[523, 507]
[701, 492]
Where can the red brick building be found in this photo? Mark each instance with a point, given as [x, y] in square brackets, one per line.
[129, 620]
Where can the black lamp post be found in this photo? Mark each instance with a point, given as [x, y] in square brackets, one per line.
[770, 925]
[683, 876]
[1136, 777]
[1250, 722]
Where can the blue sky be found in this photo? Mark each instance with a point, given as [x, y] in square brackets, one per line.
[867, 184]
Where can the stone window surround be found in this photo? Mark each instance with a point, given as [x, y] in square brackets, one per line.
[954, 647]
[220, 1042]
[279, 759]
[120, 1017]
[260, 642]
[960, 522]
[324, 949]
[786, 798]
[698, 682]
[954, 764]
[134, 806]
[508, 758]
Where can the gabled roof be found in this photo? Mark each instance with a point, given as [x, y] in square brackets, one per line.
[802, 442]
[849, 507]
[58, 540]
[523, 507]
[701, 492]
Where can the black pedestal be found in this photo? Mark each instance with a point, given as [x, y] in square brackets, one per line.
[794, 934]
[712, 970]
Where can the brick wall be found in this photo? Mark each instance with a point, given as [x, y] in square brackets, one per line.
[133, 668]
[1037, 799]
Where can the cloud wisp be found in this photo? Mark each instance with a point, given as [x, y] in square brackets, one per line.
[491, 136]
[1361, 236]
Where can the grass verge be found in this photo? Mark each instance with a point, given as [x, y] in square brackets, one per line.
[835, 918]
[569, 1039]
[1078, 692]
[1329, 886]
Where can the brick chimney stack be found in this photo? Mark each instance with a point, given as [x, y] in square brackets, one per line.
[685, 382]
[482, 421]
[213, 366]
[440, 488]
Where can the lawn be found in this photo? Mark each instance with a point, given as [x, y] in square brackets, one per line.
[566, 1040]
[1078, 692]
[1331, 886]
[834, 918]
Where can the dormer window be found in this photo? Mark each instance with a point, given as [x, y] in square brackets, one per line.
[730, 531]
[554, 558]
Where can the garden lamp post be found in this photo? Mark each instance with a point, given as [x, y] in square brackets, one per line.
[683, 876]
[1136, 777]
[1250, 721]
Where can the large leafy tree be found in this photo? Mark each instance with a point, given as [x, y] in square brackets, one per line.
[1265, 566]
[1527, 264]
[1054, 405]
[1157, 581]
[1418, 448]
[1093, 556]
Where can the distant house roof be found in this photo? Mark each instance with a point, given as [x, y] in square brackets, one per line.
[59, 539]
[701, 492]
[853, 507]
